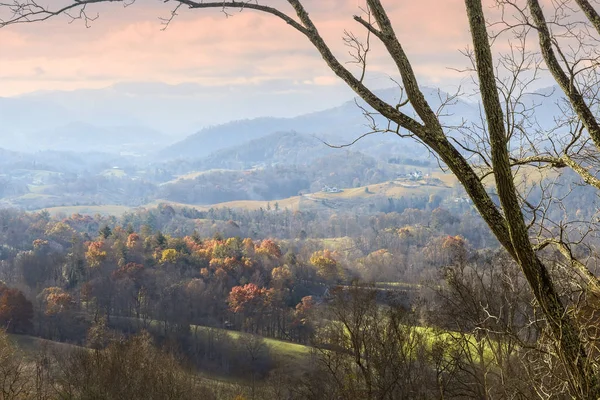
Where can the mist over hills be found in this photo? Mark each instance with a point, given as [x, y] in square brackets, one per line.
[339, 125]
[72, 157]
[174, 110]
[155, 119]
[36, 124]
[84, 137]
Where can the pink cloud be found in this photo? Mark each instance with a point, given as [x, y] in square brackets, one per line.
[199, 46]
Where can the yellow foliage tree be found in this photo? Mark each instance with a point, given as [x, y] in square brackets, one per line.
[169, 256]
[327, 266]
[95, 254]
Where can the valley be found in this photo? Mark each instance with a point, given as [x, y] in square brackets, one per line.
[255, 258]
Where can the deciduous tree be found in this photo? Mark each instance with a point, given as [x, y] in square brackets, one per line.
[16, 311]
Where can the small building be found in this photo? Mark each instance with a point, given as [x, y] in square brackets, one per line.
[462, 200]
[415, 175]
[333, 189]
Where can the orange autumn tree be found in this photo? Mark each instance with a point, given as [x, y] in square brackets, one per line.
[377, 266]
[269, 248]
[281, 276]
[60, 232]
[56, 300]
[251, 302]
[301, 326]
[456, 248]
[130, 270]
[248, 247]
[132, 240]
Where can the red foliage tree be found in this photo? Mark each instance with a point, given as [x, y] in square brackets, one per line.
[251, 302]
[16, 311]
[245, 298]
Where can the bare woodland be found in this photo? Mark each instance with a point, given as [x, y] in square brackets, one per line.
[557, 38]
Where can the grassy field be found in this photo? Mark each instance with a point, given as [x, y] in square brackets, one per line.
[195, 174]
[36, 196]
[526, 175]
[114, 172]
[319, 200]
[292, 203]
[39, 188]
[453, 341]
[398, 285]
[292, 354]
[31, 345]
[287, 350]
[89, 210]
[226, 387]
[36, 174]
[395, 189]
[313, 201]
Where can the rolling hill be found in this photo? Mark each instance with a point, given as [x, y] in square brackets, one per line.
[290, 148]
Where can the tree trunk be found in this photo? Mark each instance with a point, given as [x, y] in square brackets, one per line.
[583, 382]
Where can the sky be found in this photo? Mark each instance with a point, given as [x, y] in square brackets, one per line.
[247, 49]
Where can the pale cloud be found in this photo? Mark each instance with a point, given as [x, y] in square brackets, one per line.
[205, 47]
[325, 80]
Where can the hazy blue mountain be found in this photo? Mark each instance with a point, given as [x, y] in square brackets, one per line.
[8, 157]
[214, 138]
[22, 115]
[179, 110]
[94, 119]
[175, 110]
[84, 137]
[290, 148]
[338, 125]
[31, 124]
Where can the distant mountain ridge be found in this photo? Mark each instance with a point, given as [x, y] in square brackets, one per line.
[180, 109]
[291, 148]
[83, 137]
[338, 125]
[152, 117]
[79, 136]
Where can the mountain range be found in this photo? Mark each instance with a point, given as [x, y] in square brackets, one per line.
[173, 110]
[151, 118]
[337, 126]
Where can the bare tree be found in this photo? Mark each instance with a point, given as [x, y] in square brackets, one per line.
[490, 330]
[506, 139]
[379, 352]
[14, 378]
